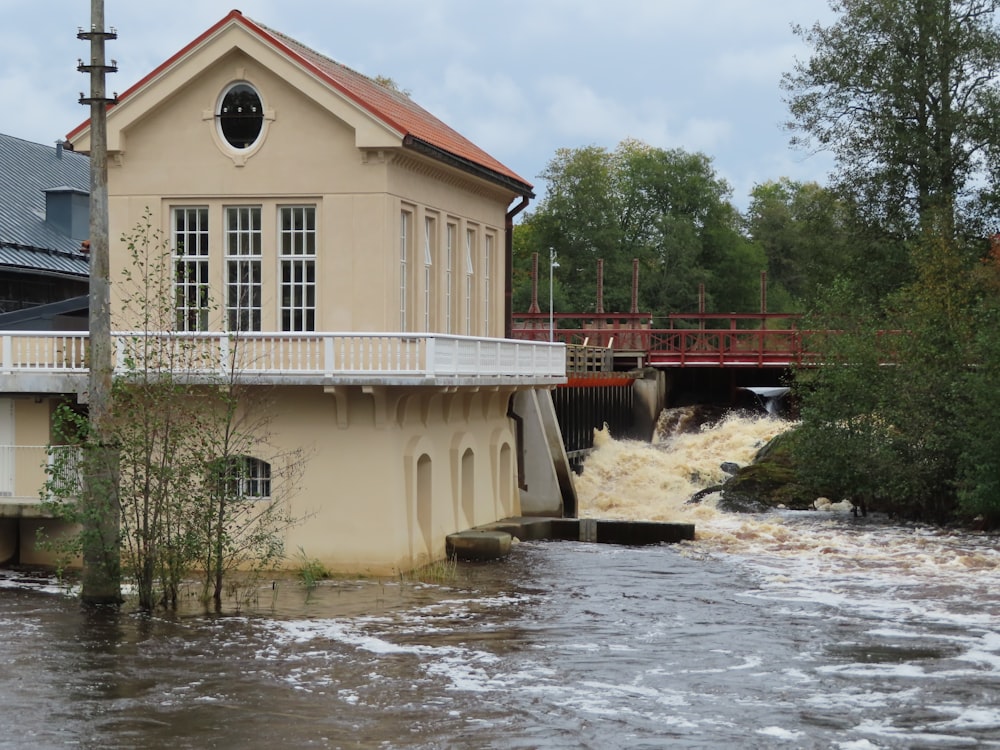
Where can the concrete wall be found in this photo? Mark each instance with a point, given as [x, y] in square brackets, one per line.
[649, 398]
[548, 488]
[378, 477]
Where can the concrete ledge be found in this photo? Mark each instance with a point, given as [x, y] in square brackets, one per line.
[643, 532]
[478, 545]
[523, 528]
[492, 541]
[29, 509]
[619, 532]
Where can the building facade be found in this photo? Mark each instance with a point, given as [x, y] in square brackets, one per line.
[357, 249]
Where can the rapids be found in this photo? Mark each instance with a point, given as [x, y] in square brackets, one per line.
[635, 481]
[653, 481]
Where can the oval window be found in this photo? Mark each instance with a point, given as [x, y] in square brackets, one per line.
[241, 116]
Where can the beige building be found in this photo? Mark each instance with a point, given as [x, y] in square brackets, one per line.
[360, 248]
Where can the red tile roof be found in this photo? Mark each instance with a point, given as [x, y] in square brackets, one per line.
[419, 128]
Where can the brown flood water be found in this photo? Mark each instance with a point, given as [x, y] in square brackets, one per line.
[807, 630]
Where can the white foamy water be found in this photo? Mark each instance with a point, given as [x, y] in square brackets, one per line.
[632, 480]
[931, 595]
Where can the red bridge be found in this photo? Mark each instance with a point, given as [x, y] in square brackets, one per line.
[725, 340]
[771, 340]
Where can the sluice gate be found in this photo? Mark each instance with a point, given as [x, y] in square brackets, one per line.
[587, 403]
[557, 424]
[595, 395]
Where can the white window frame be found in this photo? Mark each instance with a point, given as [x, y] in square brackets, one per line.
[189, 244]
[470, 287]
[449, 284]
[487, 280]
[246, 478]
[428, 271]
[297, 244]
[405, 221]
[244, 267]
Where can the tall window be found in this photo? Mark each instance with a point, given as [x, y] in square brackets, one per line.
[243, 268]
[428, 275]
[448, 273]
[190, 256]
[470, 244]
[404, 251]
[297, 257]
[487, 280]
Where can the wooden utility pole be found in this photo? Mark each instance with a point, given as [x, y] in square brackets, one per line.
[101, 521]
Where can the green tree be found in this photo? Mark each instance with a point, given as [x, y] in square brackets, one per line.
[190, 452]
[904, 94]
[978, 402]
[666, 208]
[806, 233]
[886, 418]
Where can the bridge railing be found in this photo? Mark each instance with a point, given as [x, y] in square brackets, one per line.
[725, 347]
[679, 339]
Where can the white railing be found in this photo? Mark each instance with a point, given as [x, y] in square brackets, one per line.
[62, 352]
[276, 355]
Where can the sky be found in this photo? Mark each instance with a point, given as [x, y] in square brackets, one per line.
[520, 80]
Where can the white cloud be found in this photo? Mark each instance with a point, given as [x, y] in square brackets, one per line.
[519, 81]
[574, 110]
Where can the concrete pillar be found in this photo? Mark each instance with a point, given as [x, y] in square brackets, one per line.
[548, 478]
[649, 397]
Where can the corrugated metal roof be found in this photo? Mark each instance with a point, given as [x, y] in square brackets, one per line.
[35, 259]
[27, 170]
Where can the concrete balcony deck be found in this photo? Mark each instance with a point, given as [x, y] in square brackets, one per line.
[57, 362]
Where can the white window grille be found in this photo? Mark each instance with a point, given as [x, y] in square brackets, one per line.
[470, 241]
[297, 257]
[189, 245]
[487, 280]
[243, 268]
[246, 478]
[404, 241]
[448, 274]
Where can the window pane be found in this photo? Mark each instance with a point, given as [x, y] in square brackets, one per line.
[243, 268]
[297, 245]
[190, 250]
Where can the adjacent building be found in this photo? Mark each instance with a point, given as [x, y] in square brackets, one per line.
[44, 193]
[43, 285]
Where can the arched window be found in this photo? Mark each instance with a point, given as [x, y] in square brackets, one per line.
[245, 477]
[241, 116]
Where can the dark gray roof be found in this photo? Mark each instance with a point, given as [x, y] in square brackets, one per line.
[27, 170]
[49, 317]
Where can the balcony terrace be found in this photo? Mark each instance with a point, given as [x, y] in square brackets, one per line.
[56, 362]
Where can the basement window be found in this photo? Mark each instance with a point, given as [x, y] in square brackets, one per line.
[241, 116]
[243, 478]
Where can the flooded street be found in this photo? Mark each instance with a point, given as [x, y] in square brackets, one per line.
[798, 630]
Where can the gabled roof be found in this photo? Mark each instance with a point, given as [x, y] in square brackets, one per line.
[27, 241]
[419, 129]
